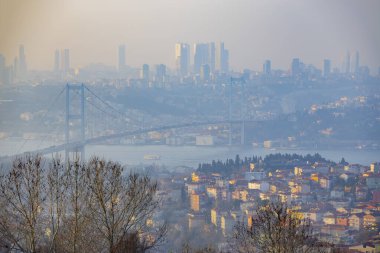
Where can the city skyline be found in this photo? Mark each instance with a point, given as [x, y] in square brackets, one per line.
[304, 30]
[216, 57]
[189, 126]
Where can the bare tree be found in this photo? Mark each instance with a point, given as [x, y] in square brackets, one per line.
[22, 194]
[57, 185]
[74, 207]
[120, 206]
[77, 233]
[275, 229]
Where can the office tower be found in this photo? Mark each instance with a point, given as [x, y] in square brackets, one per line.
[182, 58]
[56, 61]
[6, 72]
[348, 63]
[2, 69]
[160, 73]
[267, 68]
[16, 67]
[212, 57]
[356, 63]
[205, 72]
[22, 68]
[8, 75]
[145, 72]
[121, 57]
[326, 67]
[296, 67]
[65, 61]
[201, 56]
[222, 58]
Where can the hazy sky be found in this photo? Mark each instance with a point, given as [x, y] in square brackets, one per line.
[252, 30]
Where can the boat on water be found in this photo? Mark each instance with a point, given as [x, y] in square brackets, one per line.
[151, 157]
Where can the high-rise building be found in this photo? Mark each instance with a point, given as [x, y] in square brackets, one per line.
[65, 61]
[356, 63]
[8, 75]
[296, 67]
[205, 72]
[16, 67]
[22, 68]
[6, 72]
[145, 72]
[121, 55]
[267, 68]
[222, 58]
[2, 69]
[160, 73]
[201, 56]
[326, 67]
[182, 58]
[56, 61]
[348, 63]
[212, 57]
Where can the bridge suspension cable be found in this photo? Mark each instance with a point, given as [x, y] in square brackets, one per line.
[50, 107]
[105, 102]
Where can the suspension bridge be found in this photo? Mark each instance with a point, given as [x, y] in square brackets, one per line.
[79, 97]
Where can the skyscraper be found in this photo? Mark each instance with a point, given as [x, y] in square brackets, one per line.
[56, 61]
[222, 58]
[182, 58]
[356, 63]
[16, 68]
[267, 68]
[212, 56]
[65, 61]
[326, 67]
[2, 69]
[296, 67]
[145, 72]
[201, 56]
[6, 72]
[348, 63]
[160, 73]
[22, 68]
[121, 57]
[205, 72]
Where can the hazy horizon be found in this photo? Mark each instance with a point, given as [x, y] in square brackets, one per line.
[252, 30]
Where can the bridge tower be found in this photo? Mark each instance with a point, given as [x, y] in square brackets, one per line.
[243, 112]
[230, 114]
[243, 109]
[75, 102]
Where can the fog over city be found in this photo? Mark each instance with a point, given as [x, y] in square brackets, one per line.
[189, 126]
[253, 30]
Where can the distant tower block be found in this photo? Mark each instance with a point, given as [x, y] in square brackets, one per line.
[348, 63]
[74, 136]
[182, 58]
[267, 68]
[326, 67]
[65, 61]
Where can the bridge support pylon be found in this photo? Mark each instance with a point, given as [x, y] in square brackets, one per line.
[75, 103]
